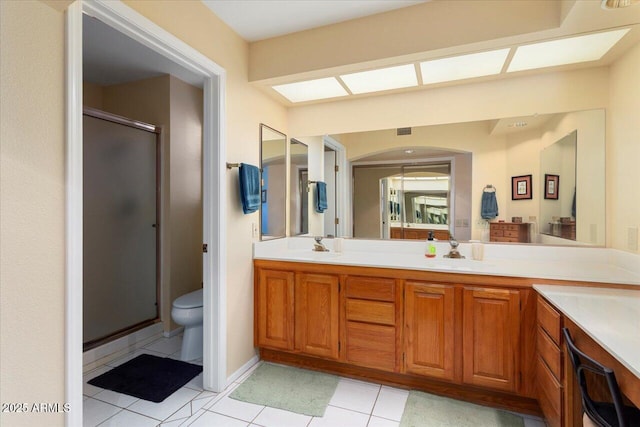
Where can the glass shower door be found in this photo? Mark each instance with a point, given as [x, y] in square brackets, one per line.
[120, 260]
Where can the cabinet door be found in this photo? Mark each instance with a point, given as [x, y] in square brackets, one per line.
[429, 329]
[274, 309]
[491, 327]
[317, 314]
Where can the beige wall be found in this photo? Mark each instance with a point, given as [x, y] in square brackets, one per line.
[623, 151]
[32, 203]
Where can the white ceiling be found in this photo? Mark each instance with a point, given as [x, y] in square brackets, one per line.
[258, 20]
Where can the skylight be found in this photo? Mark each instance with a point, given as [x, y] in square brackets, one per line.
[311, 90]
[463, 67]
[382, 79]
[570, 50]
[590, 47]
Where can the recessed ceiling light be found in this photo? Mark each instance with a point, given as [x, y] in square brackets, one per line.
[409, 151]
[381, 79]
[463, 66]
[311, 90]
[590, 47]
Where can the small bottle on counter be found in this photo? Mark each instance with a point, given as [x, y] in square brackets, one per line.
[430, 250]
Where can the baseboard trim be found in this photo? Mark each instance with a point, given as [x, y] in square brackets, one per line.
[171, 334]
[243, 369]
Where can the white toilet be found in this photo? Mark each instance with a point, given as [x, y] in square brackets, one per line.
[187, 311]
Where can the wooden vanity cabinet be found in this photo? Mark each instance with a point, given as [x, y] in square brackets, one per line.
[297, 312]
[474, 337]
[550, 363]
[317, 315]
[372, 322]
[274, 310]
[429, 329]
[491, 338]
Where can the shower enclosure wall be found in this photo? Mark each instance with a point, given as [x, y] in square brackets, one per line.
[121, 191]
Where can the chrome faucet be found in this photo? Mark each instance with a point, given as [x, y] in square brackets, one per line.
[453, 253]
[318, 246]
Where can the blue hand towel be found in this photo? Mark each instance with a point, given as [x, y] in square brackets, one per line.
[489, 209]
[321, 197]
[249, 188]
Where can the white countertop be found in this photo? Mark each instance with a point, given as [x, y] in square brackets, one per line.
[610, 316]
[541, 262]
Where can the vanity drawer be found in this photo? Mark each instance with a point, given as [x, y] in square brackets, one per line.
[371, 288]
[549, 394]
[549, 319]
[382, 313]
[550, 353]
[373, 346]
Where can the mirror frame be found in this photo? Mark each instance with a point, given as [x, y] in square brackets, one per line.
[297, 210]
[264, 127]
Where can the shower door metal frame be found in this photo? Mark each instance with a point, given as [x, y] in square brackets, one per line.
[157, 130]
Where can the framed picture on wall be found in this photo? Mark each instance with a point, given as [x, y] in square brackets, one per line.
[521, 187]
[551, 186]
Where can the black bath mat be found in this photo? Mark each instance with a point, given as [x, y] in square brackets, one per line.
[148, 377]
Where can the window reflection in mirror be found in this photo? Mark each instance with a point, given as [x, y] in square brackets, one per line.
[272, 163]
[299, 199]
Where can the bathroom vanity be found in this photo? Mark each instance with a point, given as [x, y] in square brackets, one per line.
[461, 328]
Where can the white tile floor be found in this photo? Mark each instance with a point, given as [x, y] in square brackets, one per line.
[354, 404]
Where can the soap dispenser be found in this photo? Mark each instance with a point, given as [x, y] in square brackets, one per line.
[430, 251]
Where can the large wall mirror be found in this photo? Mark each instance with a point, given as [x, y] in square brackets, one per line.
[273, 150]
[488, 152]
[298, 185]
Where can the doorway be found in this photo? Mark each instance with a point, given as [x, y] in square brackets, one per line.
[125, 20]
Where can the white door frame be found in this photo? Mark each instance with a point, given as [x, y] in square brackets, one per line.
[126, 20]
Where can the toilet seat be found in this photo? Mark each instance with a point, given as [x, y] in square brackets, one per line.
[190, 300]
